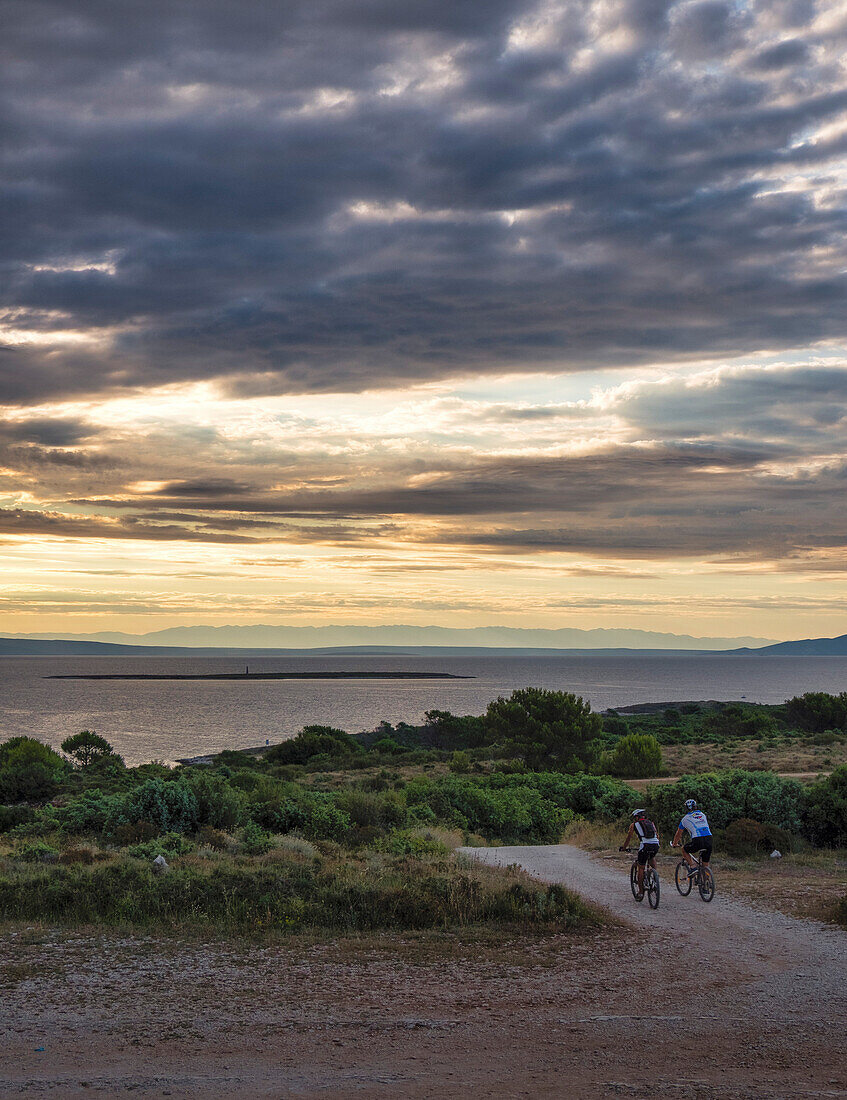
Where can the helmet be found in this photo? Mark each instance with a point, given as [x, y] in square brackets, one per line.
[690, 804]
[638, 813]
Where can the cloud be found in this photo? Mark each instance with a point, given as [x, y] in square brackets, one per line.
[312, 198]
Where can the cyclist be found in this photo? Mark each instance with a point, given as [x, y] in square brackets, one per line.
[696, 825]
[648, 844]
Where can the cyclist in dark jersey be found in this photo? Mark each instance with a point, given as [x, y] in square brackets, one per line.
[648, 843]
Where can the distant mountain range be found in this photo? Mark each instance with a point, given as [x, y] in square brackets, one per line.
[380, 638]
[805, 647]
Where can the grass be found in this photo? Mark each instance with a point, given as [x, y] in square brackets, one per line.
[293, 887]
[788, 755]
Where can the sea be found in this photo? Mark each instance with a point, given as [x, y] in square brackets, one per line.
[172, 719]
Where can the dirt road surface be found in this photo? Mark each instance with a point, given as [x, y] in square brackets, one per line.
[691, 1001]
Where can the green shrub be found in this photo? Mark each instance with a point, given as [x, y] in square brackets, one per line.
[219, 804]
[11, 816]
[254, 840]
[460, 763]
[29, 770]
[36, 852]
[727, 796]
[510, 813]
[169, 845]
[817, 711]
[385, 811]
[825, 812]
[387, 745]
[171, 806]
[310, 742]
[88, 812]
[286, 808]
[402, 843]
[637, 756]
[42, 823]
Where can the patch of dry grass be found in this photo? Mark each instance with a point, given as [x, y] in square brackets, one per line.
[789, 756]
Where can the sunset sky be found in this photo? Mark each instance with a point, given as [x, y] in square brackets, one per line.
[463, 313]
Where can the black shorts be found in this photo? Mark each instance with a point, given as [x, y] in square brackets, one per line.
[647, 852]
[701, 845]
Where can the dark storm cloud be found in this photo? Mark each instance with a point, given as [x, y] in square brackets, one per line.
[803, 409]
[317, 196]
[20, 521]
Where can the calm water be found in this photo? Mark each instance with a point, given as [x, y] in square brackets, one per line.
[165, 719]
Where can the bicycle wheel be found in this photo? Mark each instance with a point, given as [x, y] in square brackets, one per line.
[683, 880]
[652, 884]
[633, 882]
[706, 884]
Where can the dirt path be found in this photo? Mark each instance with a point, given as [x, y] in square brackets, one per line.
[723, 1002]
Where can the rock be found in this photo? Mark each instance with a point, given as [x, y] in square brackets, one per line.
[160, 865]
[776, 854]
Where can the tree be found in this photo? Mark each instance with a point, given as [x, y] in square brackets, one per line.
[29, 770]
[548, 729]
[86, 747]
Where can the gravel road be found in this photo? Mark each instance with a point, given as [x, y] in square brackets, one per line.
[689, 1002]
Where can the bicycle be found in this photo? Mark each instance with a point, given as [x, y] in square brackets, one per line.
[701, 874]
[651, 883]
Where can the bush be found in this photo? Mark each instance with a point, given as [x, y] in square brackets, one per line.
[817, 711]
[219, 805]
[135, 832]
[746, 837]
[169, 845]
[254, 840]
[285, 808]
[171, 806]
[512, 814]
[727, 796]
[637, 756]
[88, 812]
[212, 838]
[10, 816]
[387, 745]
[825, 817]
[382, 811]
[36, 852]
[460, 763]
[29, 770]
[310, 742]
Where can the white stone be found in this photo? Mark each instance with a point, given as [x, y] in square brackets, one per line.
[776, 854]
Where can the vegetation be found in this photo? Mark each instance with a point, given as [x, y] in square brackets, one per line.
[353, 832]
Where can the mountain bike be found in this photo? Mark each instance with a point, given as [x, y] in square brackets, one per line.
[651, 883]
[701, 874]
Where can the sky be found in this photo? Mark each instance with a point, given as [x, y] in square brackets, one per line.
[479, 312]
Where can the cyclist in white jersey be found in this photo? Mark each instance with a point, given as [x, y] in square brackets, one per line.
[648, 843]
[696, 825]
